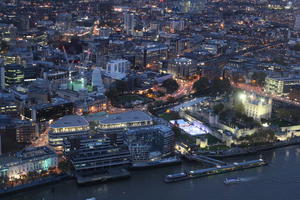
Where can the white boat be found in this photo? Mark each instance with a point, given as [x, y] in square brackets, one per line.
[92, 198]
[232, 180]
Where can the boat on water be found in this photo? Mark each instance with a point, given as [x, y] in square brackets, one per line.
[214, 170]
[92, 198]
[228, 181]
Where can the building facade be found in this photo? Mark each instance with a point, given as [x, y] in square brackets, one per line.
[33, 159]
[150, 143]
[93, 152]
[66, 127]
[182, 68]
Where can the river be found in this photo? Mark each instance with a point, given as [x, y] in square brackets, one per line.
[280, 180]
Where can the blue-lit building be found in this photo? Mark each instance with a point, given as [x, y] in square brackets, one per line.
[33, 159]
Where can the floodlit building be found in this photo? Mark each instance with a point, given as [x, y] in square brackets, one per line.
[66, 127]
[33, 159]
[256, 107]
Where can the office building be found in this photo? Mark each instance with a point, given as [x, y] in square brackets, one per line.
[281, 85]
[66, 127]
[182, 68]
[96, 152]
[117, 69]
[126, 120]
[14, 74]
[129, 23]
[49, 111]
[149, 143]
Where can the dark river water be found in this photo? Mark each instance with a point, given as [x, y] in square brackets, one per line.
[280, 180]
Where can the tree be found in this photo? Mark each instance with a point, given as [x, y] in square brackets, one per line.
[121, 86]
[218, 108]
[220, 86]
[171, 99]
[111, 94]
[261, 136]
[239, 108]
[259, 78]
[201, 86]
[171, 85]
[4, 46]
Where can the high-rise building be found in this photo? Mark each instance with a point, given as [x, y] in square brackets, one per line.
[193, 6]
[297, 23]
[129, 23]
[2, 74]
[117, 69]
[97, 80]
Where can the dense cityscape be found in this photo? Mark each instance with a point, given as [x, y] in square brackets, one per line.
[92, 90]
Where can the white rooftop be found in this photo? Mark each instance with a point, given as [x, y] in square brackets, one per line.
[70, 121]
[125, 117]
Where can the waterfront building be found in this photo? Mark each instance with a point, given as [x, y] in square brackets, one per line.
[126, 120]
[31, 159]
[150, 143]
[66, 127]
[96, 152]
[182, 68]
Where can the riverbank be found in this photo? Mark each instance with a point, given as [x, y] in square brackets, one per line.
[237, 151]
[33, 184]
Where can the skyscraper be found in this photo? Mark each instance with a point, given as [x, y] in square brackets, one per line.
[297, 23]
[129, 23]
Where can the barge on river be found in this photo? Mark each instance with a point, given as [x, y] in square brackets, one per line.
[214, 170]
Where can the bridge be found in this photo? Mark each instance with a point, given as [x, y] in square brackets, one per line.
[200, 158]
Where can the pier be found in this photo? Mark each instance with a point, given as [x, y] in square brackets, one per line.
[200, 158]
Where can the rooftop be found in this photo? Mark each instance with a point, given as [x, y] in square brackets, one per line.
[70, 121]
[131, 116]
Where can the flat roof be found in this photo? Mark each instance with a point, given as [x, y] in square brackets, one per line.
[70, 121]
[130, 116]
